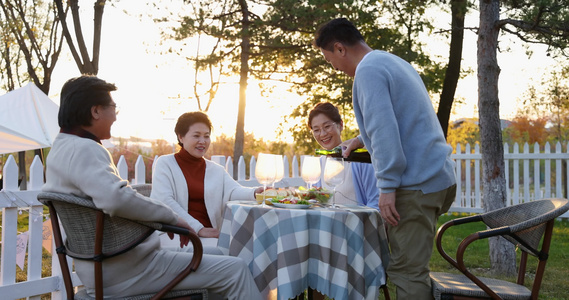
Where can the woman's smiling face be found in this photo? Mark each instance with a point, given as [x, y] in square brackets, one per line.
[197, 139]
[326, 132]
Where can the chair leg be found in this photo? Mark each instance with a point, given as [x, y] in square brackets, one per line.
[385, 292]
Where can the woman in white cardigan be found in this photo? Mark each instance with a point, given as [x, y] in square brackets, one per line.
[196, 188]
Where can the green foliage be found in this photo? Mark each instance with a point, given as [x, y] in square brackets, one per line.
[392, 26]
[464, 132]
[547, 107]
[540, 21]
[31, 42]
[281, 34]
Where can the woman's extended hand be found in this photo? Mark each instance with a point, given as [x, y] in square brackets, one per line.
[259, 190]
[208, 232]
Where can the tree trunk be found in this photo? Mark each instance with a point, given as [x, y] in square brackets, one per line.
[502, 253]
[243, 76]
[458, 8]
[85, 64]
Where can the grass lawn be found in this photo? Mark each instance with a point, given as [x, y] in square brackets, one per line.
[555, 279]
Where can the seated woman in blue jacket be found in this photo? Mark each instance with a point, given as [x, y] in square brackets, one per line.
[360, 183]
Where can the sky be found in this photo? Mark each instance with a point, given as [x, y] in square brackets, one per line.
[154, 89]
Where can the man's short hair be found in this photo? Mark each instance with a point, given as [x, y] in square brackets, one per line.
[337, 30]
[77, 97]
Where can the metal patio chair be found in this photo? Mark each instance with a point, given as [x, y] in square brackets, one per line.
[524, 225]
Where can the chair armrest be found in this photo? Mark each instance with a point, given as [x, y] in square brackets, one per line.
[447, 225]
[194, 263]
[458, 263]
[175, 229]
[194, 238]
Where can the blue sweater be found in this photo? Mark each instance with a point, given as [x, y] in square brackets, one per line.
[399, 127]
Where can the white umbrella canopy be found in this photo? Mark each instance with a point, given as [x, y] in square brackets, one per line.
[28, 120]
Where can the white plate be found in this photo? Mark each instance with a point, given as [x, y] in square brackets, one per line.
[284, 205]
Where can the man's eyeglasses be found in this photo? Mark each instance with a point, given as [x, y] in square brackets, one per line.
[326, 128]
[117, 108]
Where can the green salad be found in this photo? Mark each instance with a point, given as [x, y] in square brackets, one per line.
[289, 200]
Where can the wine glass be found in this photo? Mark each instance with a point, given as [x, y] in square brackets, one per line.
[265, 171]
[311, 170]
[279, 165]
[334, 174]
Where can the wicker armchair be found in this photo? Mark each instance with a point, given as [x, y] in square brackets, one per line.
[94, 235]
[524, 225]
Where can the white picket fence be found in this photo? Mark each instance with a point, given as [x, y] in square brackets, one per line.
[531, 175]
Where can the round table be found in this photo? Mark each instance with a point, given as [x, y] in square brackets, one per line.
[342, 253]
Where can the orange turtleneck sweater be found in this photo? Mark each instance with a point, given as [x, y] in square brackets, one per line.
[193, 169]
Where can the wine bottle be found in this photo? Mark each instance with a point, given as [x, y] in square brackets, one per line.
[357, 155]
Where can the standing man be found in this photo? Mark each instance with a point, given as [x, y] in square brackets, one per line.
[411, 158]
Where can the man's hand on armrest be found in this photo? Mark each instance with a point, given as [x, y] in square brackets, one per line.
[184, 240]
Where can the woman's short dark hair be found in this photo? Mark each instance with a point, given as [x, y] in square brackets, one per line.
[337, 30]
[326, 108]
[188, 119]
[78, 95]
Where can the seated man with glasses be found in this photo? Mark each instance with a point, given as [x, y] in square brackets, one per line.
[360, 185]
[79, 164]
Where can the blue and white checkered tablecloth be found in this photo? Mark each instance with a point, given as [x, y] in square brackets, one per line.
[342, 253]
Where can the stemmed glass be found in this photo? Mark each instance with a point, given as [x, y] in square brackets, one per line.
[334, 174]
[279, 165]
[311, 170]
[265, 171]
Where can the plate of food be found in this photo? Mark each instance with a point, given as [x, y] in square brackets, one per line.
[320, 194]
[290, 202]
[295, 206]
[271, 194]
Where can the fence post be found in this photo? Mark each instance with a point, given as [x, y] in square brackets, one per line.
[477, 177]
[139, 171]
[252, 165]
[526, 180]
[219, 159]
[9, 224]
[516, 175]
[286, 167]
[458, 200]
[36, 174]
[507, 173]
[123, 168]
[35, 221]
[295, 167]
[241, 169]
[229, 165]
[558, 172]
[547, 178]
[536, 173]
[10, 174]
